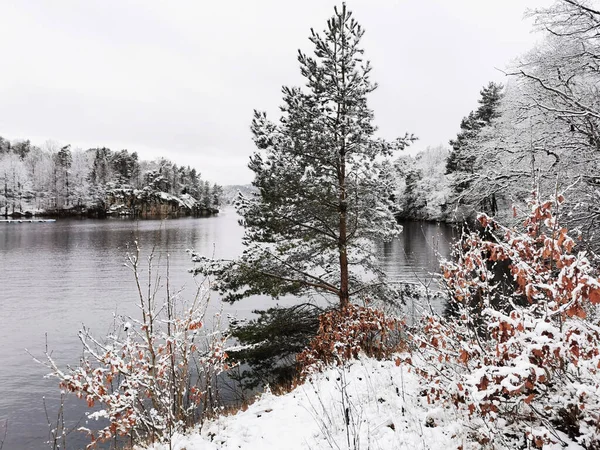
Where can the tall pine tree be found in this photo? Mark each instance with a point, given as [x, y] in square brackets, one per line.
[322, 203]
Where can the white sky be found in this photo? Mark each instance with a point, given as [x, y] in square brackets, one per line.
[181, 78]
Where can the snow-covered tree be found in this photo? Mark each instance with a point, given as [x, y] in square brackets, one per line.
[462, 163]
[4, 145]
[322, 201]
[559, 82]
[80, 188]
[14, 182]
[63, 161]
[423, 187]
[21, 148]
[216, 194]
[125, 167]
[205, 198]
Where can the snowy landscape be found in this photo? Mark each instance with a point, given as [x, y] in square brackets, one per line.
[321, 282]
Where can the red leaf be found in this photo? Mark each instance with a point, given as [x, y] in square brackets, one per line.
[595, 296]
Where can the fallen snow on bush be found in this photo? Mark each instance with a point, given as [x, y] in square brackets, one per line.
[385, 410]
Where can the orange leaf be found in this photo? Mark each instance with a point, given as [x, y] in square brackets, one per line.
[483, 384]
[576, 311]
[595, 296]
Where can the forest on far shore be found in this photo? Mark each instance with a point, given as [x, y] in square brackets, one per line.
[61, 180]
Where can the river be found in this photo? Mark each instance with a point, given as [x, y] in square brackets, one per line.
[56, 277]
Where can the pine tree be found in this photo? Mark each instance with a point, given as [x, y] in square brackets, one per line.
[100, 173]
[205, 197]
[216, 194]
[459, 158]
[462, 160]
[322, 202]
[63, 161]
[125, 167]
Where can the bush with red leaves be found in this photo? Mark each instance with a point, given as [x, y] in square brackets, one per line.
[345, 333]
[535, 372]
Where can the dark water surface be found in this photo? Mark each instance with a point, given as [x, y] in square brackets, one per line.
[56, 277]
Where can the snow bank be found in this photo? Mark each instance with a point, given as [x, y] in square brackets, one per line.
[385, 411]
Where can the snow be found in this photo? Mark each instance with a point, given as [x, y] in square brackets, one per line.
[385, 411]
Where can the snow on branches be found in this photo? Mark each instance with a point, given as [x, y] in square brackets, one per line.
[155, 377]
[522, 360]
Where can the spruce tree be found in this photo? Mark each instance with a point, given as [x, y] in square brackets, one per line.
[322, 201]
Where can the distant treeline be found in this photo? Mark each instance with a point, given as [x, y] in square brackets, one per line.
[37, 179]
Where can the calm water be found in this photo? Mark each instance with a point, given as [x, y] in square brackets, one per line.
[56, 277]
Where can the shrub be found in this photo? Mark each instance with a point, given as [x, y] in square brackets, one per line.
[535, 370]
[346, 332]
[156, 376]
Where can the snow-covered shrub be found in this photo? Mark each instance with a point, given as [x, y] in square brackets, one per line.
[522, 365]
[156, 375]
[346, 332]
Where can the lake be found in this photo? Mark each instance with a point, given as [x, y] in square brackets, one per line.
[56, 277]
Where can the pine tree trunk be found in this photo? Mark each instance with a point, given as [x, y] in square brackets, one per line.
[342, 244]
[343, 229]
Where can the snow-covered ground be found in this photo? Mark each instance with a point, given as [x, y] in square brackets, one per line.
[385, 411]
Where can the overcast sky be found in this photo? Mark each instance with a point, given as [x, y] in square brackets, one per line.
[180, 79]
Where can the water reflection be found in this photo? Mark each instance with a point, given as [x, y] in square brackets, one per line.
[416, 254]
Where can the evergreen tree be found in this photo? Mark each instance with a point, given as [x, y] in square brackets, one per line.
[216, 194]
[4, 145]
[64, 161]
[194, 183]
[462, 160]
[205, 198]
[416, 199]
[100, 173]
[21, 148]
[125, 167]
[322, 202]
[459, 159]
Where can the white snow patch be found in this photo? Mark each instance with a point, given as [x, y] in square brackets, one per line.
[385, 411]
